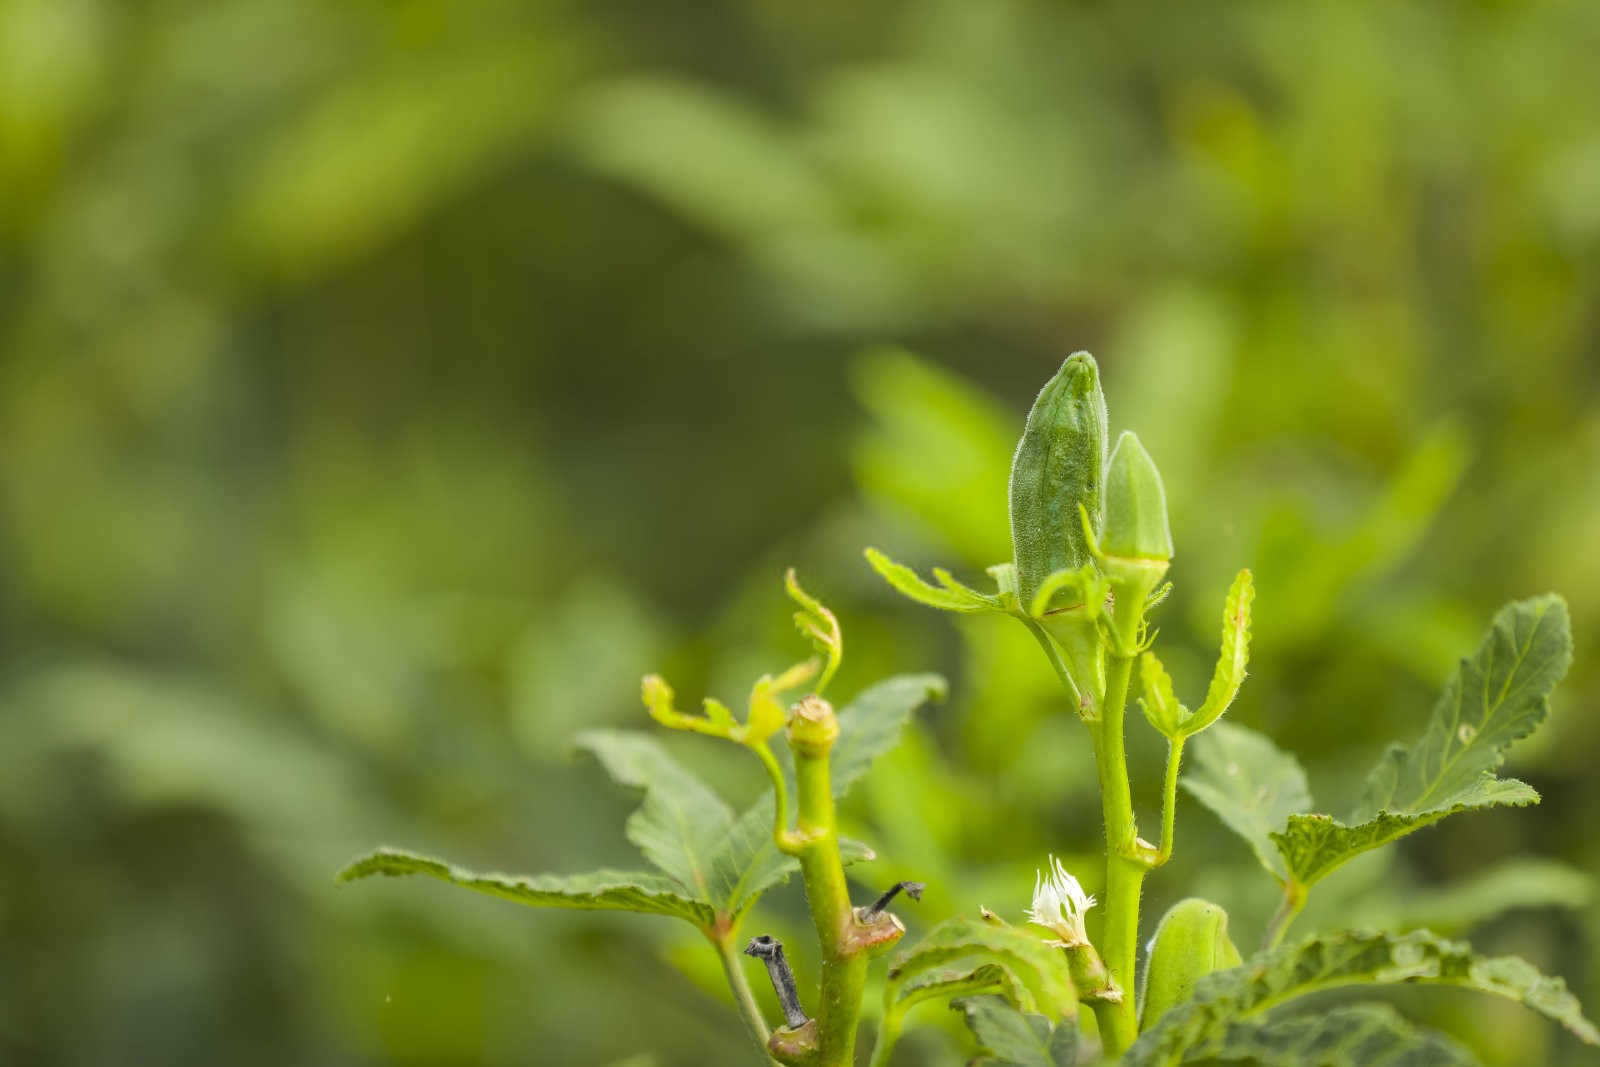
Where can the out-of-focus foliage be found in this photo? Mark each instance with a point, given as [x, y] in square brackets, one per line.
[384, 388]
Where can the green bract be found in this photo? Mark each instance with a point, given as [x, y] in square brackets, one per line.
[1136, 504]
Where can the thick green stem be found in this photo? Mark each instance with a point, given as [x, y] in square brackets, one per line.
[844, 972]
[846, 942]
[1128, 859]
[1119, 938]
[743, 996]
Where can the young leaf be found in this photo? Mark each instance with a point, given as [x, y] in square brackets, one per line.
[1159, 703]
[748, 862]
[603, 890]
[817, 623]
[1060, 464]
[1351, 1035]
[1012, 1039]
[1495, 698]
[1233, 658]
[681, 824]
[1197, 1028]
[1040, 969]
[948, 595]
[1251, 784]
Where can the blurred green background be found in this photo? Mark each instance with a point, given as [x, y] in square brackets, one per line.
[388, 385]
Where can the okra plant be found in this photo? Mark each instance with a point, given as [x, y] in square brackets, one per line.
[1059, 981]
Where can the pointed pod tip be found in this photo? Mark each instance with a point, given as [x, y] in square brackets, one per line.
[1136, 503]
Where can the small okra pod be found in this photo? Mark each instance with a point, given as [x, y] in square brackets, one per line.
[1136, 504]
[1191, 942]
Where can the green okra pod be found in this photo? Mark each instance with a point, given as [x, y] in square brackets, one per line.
[1191, 942]
[1059, 464]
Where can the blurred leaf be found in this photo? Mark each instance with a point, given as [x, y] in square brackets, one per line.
[870, 724]
[1352, 1035]
[369, 158]
[1013, 1039]
[1252, 786]
[1507, 886]
[938, 450]
[603, 890]
[1198, 1027]
[682, 823]
[1495, 698]
[715, 160]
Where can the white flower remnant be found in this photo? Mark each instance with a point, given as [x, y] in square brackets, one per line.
[1059, 904]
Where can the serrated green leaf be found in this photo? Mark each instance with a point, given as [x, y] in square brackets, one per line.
[948, 595]
[1040, 969]
[1252, 785]
[1352, 1035]
[1494, 698]
[1314, 846]
[870, 724]
[1012, 1039]
[1197, 1028]
[603, 890]
[681, 824]
[1234, 656]
[1159, 703]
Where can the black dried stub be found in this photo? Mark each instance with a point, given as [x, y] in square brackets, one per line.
[770, 950]
[911, 889]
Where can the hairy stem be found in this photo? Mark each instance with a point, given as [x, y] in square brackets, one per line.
[846, 941]
[1169, 798]
[843, 973]
[1119, 938]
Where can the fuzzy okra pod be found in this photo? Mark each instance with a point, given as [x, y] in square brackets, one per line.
[1191, 942]
[1059, 465]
